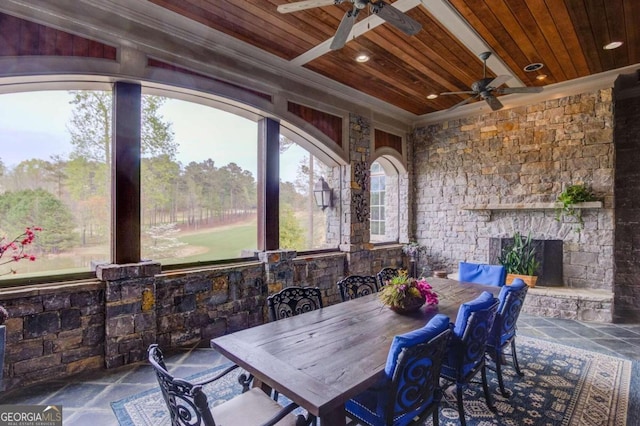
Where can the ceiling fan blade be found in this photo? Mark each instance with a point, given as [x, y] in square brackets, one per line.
[508, 90]
[344, 29]
[396, 18]
[466, 101]
[493, 102]
[305, 4]
[499, 81]
[467, 92]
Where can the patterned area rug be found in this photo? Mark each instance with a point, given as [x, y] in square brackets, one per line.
[563, 386]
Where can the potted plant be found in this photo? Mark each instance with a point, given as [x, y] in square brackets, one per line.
[519, 259]
[571, 196]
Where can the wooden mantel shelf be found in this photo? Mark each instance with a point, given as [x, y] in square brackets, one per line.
[531, 206]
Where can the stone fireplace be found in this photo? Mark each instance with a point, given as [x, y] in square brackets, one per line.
[548, 255]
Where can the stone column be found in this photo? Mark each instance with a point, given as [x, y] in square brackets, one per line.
[627, 190]
[130, 315]
[278, 269]
[356, 194]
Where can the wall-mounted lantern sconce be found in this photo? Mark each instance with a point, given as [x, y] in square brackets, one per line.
[322, 194]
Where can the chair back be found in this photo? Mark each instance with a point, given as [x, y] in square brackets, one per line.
[511, 301]
[292, 301]
[355, 286]
[415, 383]
[186, 402]
[481, 273]
[384, 275]
[468, 347]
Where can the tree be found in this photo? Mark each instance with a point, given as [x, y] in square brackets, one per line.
[158, 188]
[38, 208]
[163, 241]
[89, 170]
[90, 127]
[291, 233]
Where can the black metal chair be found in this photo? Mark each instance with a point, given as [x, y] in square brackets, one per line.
[292, 301]
[503, 333]
[355, 286]
[385, 274]
[187, 403]
[466, 350]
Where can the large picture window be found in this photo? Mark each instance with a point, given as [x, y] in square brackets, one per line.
[55, 167]
[198, 182]
[199, 199]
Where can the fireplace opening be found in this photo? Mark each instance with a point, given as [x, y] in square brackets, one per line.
[548, 254]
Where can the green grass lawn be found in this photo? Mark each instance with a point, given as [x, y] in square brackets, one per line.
[226, 243]
[214, 244]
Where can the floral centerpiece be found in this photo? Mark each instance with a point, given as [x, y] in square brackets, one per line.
[404, 294]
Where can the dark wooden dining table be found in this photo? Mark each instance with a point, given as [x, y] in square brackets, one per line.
[322, 358]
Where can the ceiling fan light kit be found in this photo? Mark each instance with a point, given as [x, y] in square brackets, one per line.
[487, 88]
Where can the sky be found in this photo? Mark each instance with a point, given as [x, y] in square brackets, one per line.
[34, 125]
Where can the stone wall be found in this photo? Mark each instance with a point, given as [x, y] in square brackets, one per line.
[520, 156]
[53, 331]
[58, 330]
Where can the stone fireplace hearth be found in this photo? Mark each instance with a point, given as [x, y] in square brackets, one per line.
[548, 255]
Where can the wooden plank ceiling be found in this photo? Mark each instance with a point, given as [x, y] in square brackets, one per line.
[567, 36]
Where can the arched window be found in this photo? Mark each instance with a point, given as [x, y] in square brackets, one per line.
[384, 218]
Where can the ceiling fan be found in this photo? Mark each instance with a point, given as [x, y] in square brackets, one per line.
[384, 10]
[488, 88]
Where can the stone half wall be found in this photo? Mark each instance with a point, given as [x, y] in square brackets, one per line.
[521, 157]
[62, 329]
[53, 331]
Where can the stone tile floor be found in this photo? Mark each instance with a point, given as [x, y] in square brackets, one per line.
[85, 398]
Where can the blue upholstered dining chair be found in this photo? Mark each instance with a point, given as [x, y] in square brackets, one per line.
[294, 300]
[466, 351]
[503, 332]
[188, 404]
[385, 274]
[355, 286]
[409, 391]
[481, 273]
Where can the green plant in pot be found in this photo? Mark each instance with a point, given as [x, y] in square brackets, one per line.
[571, 196]
[519, 259]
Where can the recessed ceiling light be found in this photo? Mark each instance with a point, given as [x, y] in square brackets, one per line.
[363, 57]
[533, 67]
[541, 77]
[432, 96]
[612, 45]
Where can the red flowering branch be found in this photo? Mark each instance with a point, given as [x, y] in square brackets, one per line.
[15, 249]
